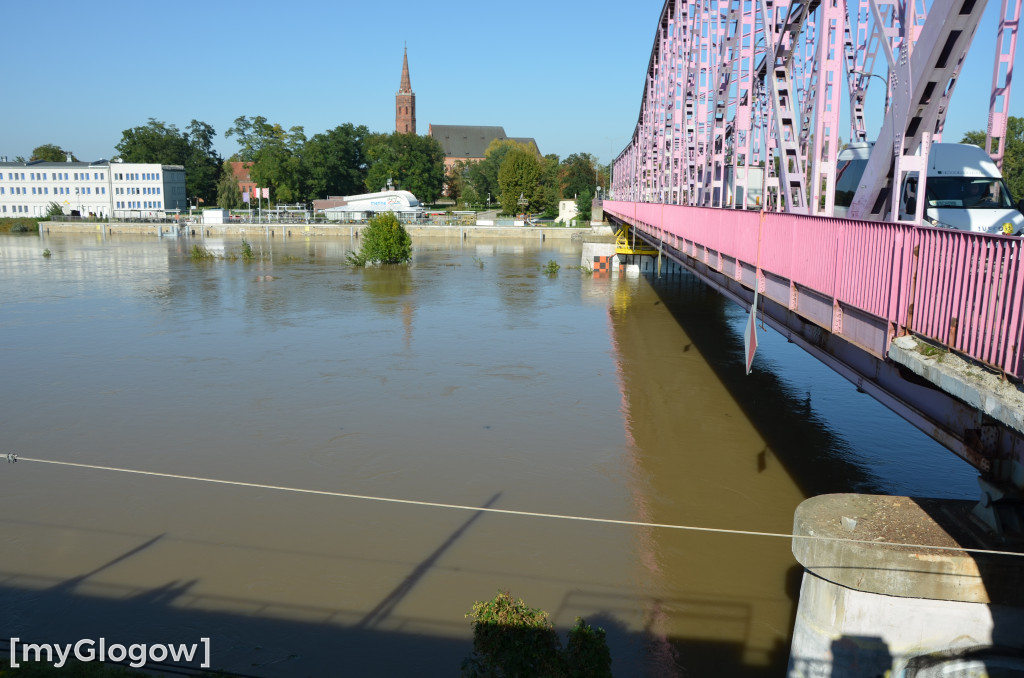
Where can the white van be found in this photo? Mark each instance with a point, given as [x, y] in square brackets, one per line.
[964, 190]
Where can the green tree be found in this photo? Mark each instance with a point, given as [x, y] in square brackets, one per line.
[484, 174]
[277, 164]
[469, 195]
[1013, 154]
[155, 142]
[254, 134]
[334, 163]
[550, 190]
[54, 210]
[229, 196]
[383, 241]
[413, 163]
[520, 176]
[158, 142]
[51, 153]
[583, 205]
[202, 163]
[455, 180]
[577, 174]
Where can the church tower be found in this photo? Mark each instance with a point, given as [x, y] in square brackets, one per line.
[405, 101]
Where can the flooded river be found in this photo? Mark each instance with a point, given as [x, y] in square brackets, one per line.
[470, 378]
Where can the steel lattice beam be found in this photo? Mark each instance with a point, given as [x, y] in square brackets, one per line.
[742, 98]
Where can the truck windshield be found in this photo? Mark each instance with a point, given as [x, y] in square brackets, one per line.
[969, 192]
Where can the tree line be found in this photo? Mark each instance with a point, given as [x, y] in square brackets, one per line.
[350, 159]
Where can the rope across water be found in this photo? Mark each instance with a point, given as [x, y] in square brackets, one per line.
[511, 512]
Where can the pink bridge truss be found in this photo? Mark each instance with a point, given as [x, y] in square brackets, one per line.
[741, 112]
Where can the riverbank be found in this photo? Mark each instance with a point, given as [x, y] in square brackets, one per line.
[317, 230]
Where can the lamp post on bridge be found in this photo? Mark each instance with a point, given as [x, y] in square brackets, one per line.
[892, 121]
[892, 127]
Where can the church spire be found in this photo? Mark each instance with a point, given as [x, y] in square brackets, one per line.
[406, 86]
[405, 100]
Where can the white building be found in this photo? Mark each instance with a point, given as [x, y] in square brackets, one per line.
[402, 203]
[101, 189]
[567, 211]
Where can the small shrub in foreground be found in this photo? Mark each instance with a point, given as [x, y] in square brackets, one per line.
[512, 639]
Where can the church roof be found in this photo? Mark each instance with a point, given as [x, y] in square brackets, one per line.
[470, 141]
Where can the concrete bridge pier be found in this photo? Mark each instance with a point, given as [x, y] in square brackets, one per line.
[873, 609]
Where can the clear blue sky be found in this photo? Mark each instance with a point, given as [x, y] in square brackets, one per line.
[569, 74]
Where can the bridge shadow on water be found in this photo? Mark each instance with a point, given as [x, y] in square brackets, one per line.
[815, 456]
[818, 460]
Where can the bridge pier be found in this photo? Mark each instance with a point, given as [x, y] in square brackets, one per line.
[597, 255]
[870, 609]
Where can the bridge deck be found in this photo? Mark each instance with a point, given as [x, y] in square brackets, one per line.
[867, 282]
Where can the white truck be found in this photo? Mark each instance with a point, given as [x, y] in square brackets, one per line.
[964, 189]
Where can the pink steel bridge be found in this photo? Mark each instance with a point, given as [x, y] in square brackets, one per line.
[731, 172]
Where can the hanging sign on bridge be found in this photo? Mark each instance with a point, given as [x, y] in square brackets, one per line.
[750, 335]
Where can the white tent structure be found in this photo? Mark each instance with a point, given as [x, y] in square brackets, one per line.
[356, 207]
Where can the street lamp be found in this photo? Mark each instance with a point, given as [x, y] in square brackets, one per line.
[892, 120]
[892, 127]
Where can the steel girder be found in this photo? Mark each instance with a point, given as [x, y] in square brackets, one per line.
[733, 85]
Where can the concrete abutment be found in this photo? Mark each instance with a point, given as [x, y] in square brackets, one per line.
[869, 608]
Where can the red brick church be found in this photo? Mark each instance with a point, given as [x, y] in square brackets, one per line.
[405, 101]
[460, 142]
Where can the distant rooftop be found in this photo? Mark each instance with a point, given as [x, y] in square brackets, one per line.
[470, 141]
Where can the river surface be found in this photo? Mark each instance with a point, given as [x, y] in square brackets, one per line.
[471, 378]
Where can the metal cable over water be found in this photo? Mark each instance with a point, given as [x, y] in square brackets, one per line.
[13, 458]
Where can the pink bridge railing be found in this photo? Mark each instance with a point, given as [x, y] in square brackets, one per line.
[964, 291]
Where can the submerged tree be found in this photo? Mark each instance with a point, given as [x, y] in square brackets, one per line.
[384, 241]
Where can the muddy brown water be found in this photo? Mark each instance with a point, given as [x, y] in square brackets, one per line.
[471, 378]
